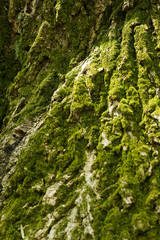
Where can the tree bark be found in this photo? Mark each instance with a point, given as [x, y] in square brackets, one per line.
[80, 117]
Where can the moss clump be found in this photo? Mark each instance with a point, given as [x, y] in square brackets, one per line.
[140, 223]
[81, 98]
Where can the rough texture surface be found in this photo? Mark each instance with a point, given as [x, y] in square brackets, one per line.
[80, 119]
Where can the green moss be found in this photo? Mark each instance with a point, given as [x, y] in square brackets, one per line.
[81, 98]
[140, 223]
[125, 235]
[116, 91]
[107, 104]
[8, 66]
[152, 198]
[125, 109]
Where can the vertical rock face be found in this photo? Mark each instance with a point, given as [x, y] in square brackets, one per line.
[80, 118]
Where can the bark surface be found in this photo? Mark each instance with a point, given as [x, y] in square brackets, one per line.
[80, 119]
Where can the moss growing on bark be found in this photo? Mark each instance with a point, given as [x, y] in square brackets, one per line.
[80, 146]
